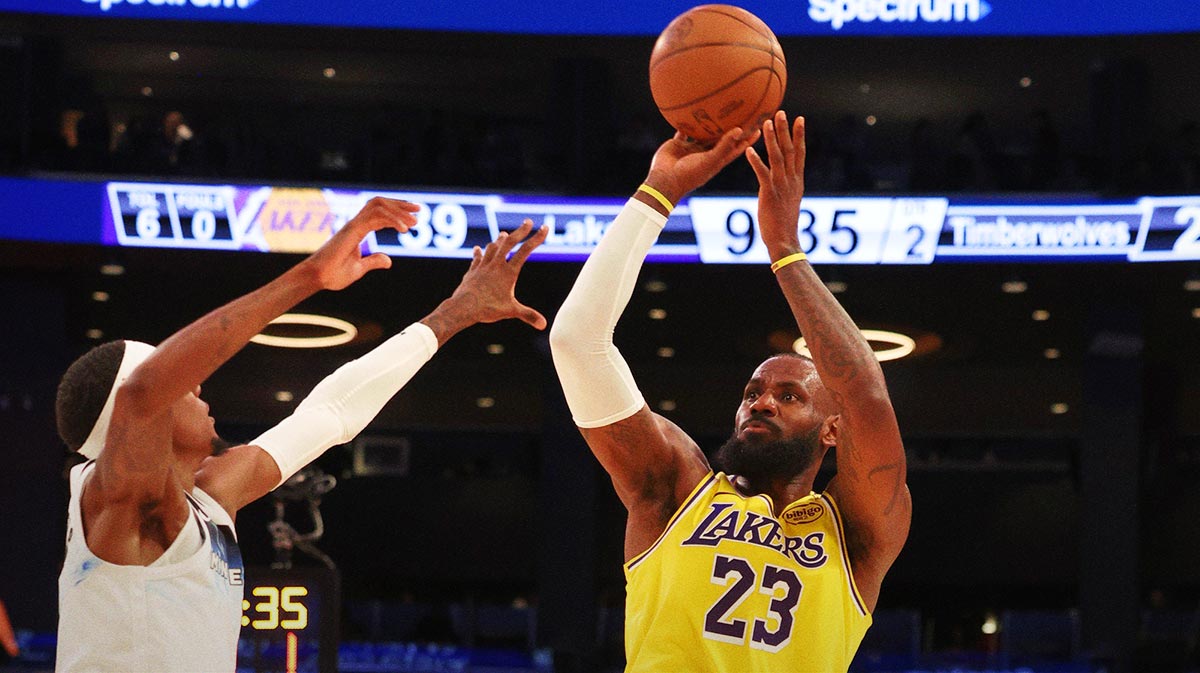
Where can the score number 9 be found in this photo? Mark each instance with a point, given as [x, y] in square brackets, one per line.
[275, 600]
[445, 226]
[742, 231]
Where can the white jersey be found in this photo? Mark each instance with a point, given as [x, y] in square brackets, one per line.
[181, 613]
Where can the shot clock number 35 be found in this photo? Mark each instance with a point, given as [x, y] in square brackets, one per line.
[289, 621]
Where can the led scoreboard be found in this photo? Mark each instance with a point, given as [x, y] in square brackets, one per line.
[720, 230]
[701, 229]
[289, 621]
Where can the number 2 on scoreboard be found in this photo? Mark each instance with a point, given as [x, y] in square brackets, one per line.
[1189, 241]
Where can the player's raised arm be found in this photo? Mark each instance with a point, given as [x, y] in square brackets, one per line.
[871, 469]
[342, 404]
[653, 464]
[136, 463]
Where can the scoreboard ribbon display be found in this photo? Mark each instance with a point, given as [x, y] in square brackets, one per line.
[710, 230]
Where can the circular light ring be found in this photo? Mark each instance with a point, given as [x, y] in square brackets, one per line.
[902, 344]
[346, 334]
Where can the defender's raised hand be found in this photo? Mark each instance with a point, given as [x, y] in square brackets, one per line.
[487, 291]
[780, 186]
[339, 262]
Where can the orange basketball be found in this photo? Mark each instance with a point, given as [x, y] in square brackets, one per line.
[716, 67]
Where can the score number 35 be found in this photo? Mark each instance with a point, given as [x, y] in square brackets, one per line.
[277, 600]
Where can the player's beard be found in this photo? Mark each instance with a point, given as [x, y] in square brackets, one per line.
[761, 461]
[220, 446]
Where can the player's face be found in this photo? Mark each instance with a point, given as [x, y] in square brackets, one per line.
[782, 401]
[195, 429]
[778, 424]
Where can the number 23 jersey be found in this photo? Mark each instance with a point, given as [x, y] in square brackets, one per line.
[730, 587]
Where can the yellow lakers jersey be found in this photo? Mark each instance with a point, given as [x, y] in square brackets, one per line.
[729, 587]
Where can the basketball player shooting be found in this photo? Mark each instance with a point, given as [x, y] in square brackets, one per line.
[743, 568]
[152, 580]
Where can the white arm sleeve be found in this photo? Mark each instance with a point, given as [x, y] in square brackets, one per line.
[596, 380]
[345, 401]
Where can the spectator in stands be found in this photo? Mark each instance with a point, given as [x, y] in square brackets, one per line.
[1044, 152]
[80, 141]
[973, 159]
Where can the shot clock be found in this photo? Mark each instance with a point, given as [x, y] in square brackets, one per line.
[289, 621]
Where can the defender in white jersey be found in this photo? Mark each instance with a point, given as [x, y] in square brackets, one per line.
[152, 580]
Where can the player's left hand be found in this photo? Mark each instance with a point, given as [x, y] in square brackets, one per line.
[781, 186]
[488, 288]
[339, 262]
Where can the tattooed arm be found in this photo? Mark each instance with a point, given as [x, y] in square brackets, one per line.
[871, 471]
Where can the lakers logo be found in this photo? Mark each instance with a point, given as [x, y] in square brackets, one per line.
[804, 513]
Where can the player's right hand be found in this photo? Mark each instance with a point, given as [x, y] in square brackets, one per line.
[681, 165]
[339, 262]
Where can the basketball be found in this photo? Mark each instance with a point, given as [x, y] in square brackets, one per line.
[716, 67]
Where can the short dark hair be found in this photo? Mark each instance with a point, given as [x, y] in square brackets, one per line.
[793, 355]
[84, 390]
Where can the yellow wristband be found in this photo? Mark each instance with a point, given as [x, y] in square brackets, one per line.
[658, 196]
[794, 257]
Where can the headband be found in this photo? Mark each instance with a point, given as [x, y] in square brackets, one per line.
[136, 353]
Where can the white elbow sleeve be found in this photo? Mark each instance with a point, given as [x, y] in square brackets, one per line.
[596, 380]
[341, 405]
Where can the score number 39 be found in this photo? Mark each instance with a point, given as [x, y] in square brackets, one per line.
[277, 600]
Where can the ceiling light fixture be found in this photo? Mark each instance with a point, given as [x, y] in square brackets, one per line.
[346, 332]
[1015, 286]
[1041, 315]
[901, 344]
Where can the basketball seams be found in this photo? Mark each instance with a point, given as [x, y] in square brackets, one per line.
[746, 45]
[757, 29]
[722, 88]
[711, 43]
[766, 90]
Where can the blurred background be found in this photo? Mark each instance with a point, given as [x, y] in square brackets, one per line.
[1051, 412]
